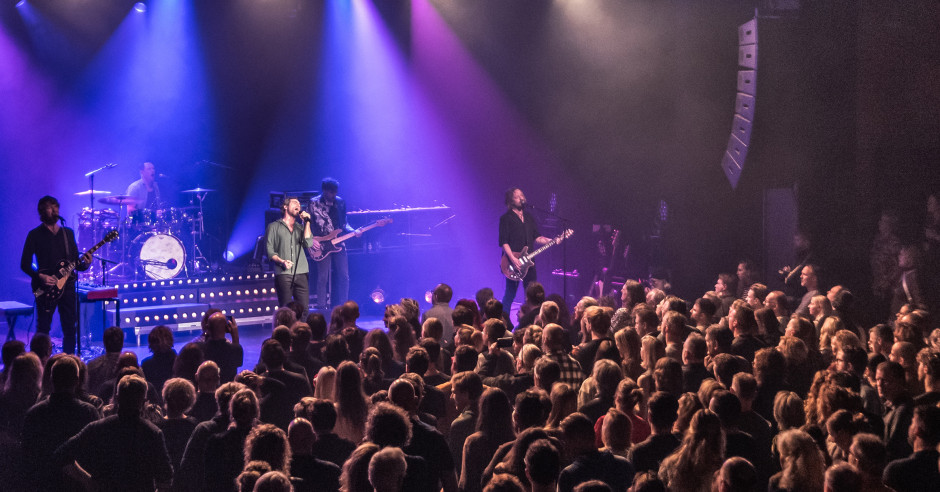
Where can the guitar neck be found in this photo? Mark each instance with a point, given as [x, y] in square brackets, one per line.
[72, 264]
[96, 247]
[543, 248]
[351, 234]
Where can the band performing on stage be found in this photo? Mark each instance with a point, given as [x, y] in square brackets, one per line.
[149, 237]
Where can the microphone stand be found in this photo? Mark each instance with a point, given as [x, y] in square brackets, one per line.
[95, 227]
[564, 247]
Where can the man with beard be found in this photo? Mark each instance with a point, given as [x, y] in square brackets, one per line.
[517, 230]
[286, 242]
[52, 242]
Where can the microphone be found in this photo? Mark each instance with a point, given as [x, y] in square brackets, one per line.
[168, 264]
[162, 176]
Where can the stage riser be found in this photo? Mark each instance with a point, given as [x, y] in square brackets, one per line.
[180, 304]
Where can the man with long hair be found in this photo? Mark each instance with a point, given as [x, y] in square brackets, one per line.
[517, 229]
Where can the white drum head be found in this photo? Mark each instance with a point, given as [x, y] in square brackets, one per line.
[162, 256]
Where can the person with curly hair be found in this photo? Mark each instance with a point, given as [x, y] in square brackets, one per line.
[802, 463]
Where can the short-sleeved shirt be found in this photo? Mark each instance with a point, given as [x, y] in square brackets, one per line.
[327, 218]
[145, 199]
[517, 233]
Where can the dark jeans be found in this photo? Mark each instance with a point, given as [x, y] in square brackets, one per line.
[339, 293]
[67, 315]
[292, 287]
[512, 287]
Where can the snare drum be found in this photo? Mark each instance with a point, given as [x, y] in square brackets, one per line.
[159, 256]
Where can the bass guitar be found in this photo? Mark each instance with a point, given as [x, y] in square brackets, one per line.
[336, 244]
[48, 295]
[525, 258]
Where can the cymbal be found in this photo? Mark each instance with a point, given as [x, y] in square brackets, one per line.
[118, 200]
[197, 190]
[89, 192]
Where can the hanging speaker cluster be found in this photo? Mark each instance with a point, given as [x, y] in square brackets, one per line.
[732, 162]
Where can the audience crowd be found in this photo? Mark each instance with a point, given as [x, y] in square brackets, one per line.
[643, 390]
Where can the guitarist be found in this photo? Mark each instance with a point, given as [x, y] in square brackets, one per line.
[52, 242]
[329, 215]
[517, 230]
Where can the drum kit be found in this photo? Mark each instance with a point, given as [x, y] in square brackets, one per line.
[156, 243]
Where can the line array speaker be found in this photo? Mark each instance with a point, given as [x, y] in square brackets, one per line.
[735, 155]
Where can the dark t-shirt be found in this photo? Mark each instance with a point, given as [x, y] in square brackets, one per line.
[158, 368]
[613, 470]
[746, 346]
[224, 459]
[228, 356]
[429, 444]
[332, 448]
[47, 425]
[205, 408]
[315, 474]
[121, 453]
[918, 472]
[177, 432]
[649, 454]
[516, 233]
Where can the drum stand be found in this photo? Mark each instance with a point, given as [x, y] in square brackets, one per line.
[199, 230]
[123, 269]
[95, 222]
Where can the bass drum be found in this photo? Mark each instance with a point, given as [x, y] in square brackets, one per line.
[159, 256]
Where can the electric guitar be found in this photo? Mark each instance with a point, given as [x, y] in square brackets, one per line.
[525, 258]
[48, 295]
[335, 244]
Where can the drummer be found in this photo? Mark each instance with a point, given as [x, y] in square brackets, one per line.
[145, 191]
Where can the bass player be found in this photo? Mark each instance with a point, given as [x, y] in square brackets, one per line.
[517, 229]
[329, 217]
[51, 243]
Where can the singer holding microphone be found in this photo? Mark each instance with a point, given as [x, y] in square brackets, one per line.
[145, 191]
[287, 238]
[517, 230]
[50, 243]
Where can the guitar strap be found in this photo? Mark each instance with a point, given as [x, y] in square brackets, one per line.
[68, 250]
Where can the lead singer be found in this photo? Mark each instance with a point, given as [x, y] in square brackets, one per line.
[517, 230]
[286, 243]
